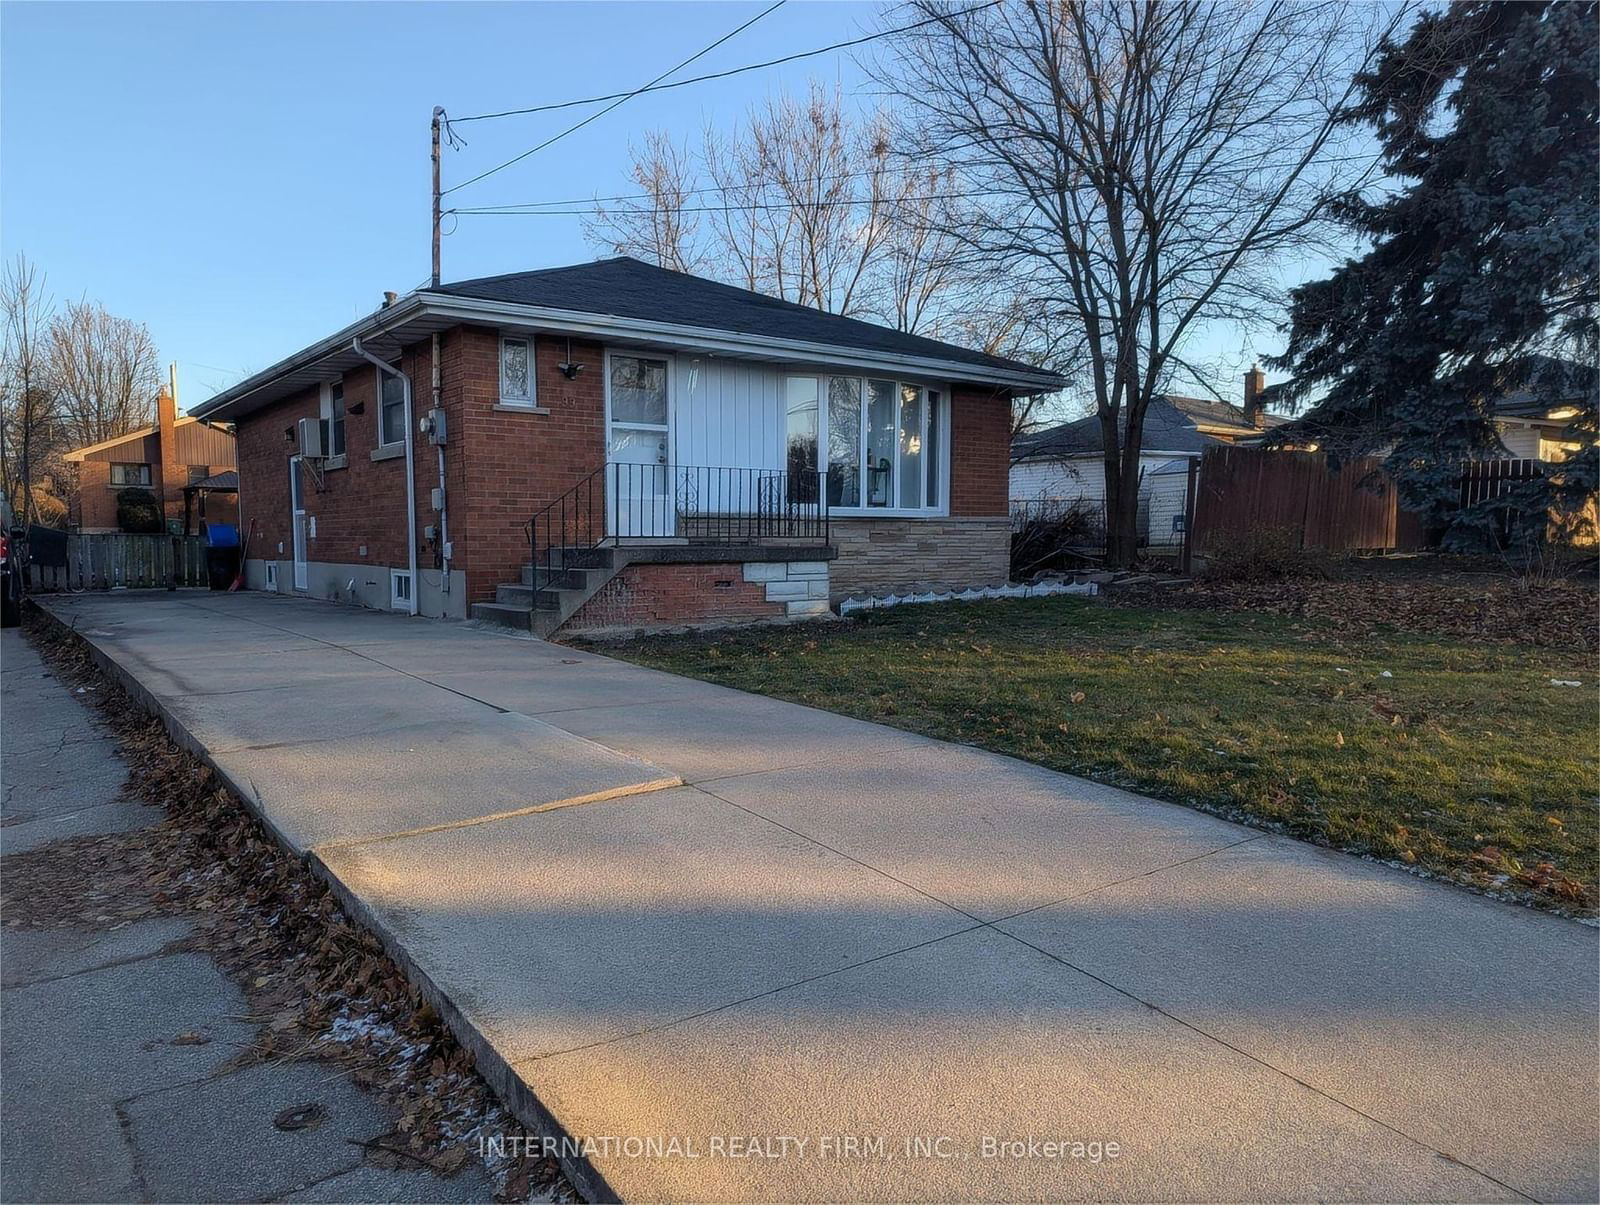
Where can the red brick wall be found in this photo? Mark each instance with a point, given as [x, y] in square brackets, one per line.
[501, 465]
[645, 596]
[97, 501]
[519, 462]
[361, 503]
[980, 453]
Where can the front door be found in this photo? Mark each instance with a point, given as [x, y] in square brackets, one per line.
[297, 520]
[638, 435]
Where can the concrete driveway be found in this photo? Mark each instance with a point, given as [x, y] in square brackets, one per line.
[750, 950]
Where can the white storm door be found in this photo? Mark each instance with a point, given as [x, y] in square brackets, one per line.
[297, 518]
[638, 435]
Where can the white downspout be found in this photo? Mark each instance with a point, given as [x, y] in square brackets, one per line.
[411, 480]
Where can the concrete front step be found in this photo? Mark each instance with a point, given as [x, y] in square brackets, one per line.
[569, 560]
[546, 598]
[504, 615]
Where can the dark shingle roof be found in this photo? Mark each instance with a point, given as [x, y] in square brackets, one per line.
[226, 481]
[629, 288]
[1170, 425]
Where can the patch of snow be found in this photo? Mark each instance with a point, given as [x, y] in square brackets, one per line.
[1036, 590]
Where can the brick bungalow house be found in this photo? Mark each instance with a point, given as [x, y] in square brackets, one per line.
[614, 444]
[170, 458]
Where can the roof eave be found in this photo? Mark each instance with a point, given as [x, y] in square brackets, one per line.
[385, 319]
[469, 309]
[445, 306]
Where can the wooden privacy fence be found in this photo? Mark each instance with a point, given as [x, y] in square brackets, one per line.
[105, 561]
[1488, 479]
[1353, 509]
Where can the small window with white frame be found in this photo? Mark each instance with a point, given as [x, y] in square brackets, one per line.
[391, 408]
[517, 387]
[399, 590]
[333, 417]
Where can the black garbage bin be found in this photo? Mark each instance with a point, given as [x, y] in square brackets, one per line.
[222, 555]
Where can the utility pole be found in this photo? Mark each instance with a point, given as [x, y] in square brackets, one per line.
[438, 119]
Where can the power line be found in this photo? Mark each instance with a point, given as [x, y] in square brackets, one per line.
[690, 192]
[716, 75]
[619, 100]
[494, 211]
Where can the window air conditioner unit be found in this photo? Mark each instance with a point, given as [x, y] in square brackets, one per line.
[312, 438]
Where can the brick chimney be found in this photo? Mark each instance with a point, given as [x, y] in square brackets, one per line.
[174, 473]
[1255, 383]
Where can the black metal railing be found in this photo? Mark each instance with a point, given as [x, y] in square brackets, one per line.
[694, 504]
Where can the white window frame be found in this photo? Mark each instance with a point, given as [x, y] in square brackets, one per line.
[325, 411]
[400, 587]
[531, 402]
[149, 475]
[380, 377]
[942, 510]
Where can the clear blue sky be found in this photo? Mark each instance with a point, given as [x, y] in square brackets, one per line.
[246, 178]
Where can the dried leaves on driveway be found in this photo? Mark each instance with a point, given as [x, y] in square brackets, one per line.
[319, 986]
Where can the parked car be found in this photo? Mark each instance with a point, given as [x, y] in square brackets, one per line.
[11, 570]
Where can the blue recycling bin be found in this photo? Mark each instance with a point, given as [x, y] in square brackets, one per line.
[222, 554]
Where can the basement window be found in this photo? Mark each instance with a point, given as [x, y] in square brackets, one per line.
[399, 590]
[517, 386]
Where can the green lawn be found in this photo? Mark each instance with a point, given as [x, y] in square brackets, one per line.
[1466, 761]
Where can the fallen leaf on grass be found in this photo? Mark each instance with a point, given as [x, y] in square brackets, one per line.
[1078, 696]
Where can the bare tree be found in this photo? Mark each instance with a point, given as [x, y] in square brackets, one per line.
[30, 426]
[105, 370]
[1145, 166]
[799, 203]
[662, 224]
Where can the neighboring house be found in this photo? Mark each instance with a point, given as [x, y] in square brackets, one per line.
[668, 449]
[165, 459]
[1065, 464]
[1531, 429]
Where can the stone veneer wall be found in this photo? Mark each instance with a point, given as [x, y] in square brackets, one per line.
[884, 554]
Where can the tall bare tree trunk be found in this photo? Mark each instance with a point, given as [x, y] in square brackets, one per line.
[1146, 166]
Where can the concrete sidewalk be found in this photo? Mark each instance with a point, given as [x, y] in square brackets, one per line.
[99, 1102]
[660, 909]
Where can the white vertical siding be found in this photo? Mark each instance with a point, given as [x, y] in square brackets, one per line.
[1168, 493]
[727, 413]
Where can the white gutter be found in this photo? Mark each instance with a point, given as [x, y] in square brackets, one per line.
[411, 480]
[496, 313]
[471, 309]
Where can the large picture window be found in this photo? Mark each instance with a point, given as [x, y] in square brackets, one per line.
[878, 443]
[802, 429]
